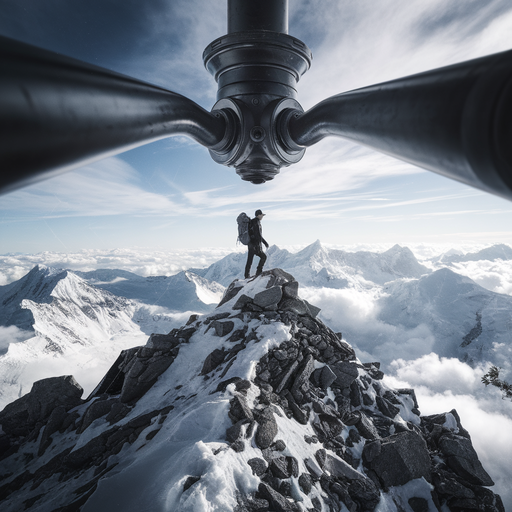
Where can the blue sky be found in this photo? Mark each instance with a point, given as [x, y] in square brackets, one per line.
[170, 194]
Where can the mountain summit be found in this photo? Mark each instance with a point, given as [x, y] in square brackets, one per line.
[257, 407]
[318, 265]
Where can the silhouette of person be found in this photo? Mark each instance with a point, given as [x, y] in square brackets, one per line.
[254, 245]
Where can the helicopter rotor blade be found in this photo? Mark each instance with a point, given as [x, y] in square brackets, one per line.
[455, 121]
[57, 113]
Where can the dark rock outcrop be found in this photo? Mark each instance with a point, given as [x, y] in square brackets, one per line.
[349, 444]
[21, 416]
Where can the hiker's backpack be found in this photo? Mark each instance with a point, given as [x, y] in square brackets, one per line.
[243, 222]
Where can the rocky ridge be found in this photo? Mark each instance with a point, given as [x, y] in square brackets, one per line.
[295, 422]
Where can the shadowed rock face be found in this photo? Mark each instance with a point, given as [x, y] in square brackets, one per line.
[328, 433]
[20, 417]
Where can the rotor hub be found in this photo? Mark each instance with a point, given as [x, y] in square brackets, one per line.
[257, 73]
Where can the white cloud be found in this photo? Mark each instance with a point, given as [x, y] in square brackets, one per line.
[443, 373]
[144, 262]
[368, 42]
[354, 312]
[12, 334]
[107, 187]
[492, 275]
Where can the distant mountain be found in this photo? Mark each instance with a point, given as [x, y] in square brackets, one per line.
[69, 320]
[495, 252]
[185, 291]
[317, 265]
[468, 321]
[60, 306]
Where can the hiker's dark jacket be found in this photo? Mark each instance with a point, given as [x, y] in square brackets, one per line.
[255, 233]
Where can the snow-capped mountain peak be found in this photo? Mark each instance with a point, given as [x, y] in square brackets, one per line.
[318, 265]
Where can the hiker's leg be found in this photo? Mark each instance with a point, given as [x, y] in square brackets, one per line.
[250, 257]
[263, 259]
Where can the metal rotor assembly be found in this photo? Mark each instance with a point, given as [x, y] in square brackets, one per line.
[57, 113]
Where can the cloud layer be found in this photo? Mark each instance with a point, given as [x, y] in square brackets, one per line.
[144, 262]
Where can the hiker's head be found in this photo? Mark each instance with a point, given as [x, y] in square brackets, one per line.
[259, 214]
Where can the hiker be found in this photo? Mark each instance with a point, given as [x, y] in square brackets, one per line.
[254, 245]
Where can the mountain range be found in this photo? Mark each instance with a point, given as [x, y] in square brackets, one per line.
[78, 322]
[69, 322]
[185, 291]
[493, 253]
[61, 312]
[319, 266]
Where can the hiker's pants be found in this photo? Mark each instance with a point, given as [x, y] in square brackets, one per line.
[258, 251]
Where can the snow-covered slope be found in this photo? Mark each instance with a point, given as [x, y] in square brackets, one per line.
[184, 291]
[60, 306]
[259, 407]
[467, 320]
[320, 266]
[72, 323]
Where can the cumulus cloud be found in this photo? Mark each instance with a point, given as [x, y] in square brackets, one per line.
[12, 334]
[355, 312]
[492, 275]
[443, 373]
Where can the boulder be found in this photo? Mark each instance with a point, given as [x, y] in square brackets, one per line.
[267, 429]
[291, 290]
[212, 361]
[242, 301]
[162, 341]
[279, 467]
[258, 466]
[19, 417]
[143, 371]
[323, 377]
[364, 426]
[230, 292]
[278, 277]
[223, 328]
[268, 297]
[96, 410]
[239, 410]
[305, 483]
[399, 458]
[301, 380]
[313, 310]
[286, 377]
[346, 373]
[277, 502]
[366, 493]
[386, 407]
[462, 458]
[340, 469]
[297, 306]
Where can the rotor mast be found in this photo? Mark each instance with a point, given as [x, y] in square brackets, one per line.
[246, 15]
